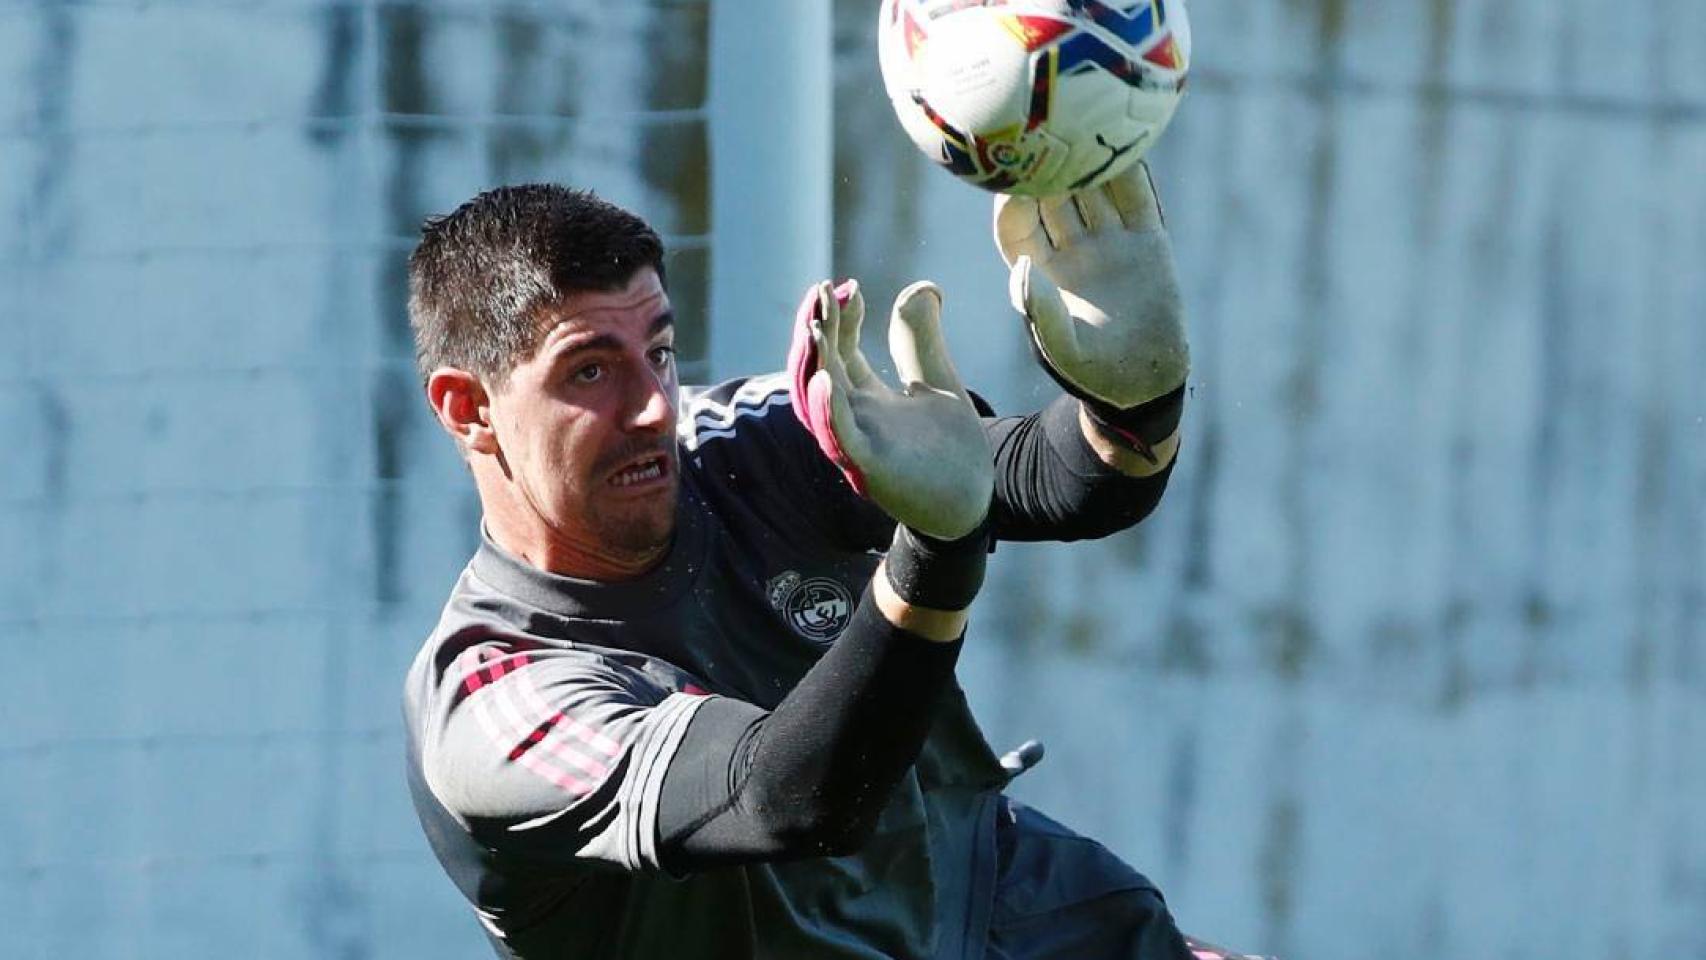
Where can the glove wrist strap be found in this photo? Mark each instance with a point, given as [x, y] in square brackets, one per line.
[938, 574]
[1143, 426]
[1140, 428]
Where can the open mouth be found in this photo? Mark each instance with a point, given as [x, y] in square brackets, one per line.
[655, 467]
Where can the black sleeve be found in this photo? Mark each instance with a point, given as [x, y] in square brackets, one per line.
[1049, 484]
[809, 778]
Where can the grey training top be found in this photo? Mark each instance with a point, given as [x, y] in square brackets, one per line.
[543, 711]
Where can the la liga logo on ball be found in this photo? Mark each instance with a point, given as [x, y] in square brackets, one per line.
[1034, 97]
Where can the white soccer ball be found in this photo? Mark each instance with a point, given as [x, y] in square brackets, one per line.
[1034, 97]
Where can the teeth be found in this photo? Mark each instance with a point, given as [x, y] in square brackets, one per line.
[651, 470]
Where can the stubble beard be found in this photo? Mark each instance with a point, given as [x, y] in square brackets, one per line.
[639, 530]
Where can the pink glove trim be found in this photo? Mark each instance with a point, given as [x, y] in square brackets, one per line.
[810, 392]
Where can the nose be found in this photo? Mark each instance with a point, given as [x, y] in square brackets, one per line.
[653, 403]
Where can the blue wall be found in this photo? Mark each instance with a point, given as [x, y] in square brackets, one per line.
[1410, 664]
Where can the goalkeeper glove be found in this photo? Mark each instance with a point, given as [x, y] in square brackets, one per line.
[1093, 274]
[919, 452]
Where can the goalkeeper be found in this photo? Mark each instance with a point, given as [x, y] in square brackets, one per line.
[693, 695]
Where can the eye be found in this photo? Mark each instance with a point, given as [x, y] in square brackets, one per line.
[591, 373]
[663, 356]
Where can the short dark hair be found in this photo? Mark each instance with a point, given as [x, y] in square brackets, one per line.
[480, 275]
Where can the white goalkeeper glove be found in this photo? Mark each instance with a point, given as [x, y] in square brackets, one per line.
[1093, 274]
[920, 452]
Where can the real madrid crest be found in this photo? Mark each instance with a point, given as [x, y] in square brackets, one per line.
[817, 608]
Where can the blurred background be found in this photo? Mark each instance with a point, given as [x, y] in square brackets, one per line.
[1411, 664]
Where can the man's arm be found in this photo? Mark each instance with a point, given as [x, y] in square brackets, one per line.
[811, 777]
[564, 756]
[1052, 483]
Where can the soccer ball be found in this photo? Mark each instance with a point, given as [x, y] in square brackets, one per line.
[1034, 97]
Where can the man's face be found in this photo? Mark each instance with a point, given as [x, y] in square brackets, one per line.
[586, 425]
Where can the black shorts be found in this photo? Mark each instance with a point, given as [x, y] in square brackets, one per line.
[1059, 895]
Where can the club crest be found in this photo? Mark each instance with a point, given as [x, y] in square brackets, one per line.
[817, 608]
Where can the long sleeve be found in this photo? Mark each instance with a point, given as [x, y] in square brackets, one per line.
[1049, 484]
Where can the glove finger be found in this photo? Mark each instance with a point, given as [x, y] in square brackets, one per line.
[813, 366]
[915, 340]
[1096, 208]
[1133, 194]
[828, 320]
[1061, 220]
[829, 338]
[1019, 228]
[840, 438]
[1053, 331]
[833, 393]
[803, 355]
[852, 303]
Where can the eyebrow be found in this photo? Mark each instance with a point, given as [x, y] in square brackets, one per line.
[604, 341]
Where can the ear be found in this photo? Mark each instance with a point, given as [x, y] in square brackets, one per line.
[463, 408]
